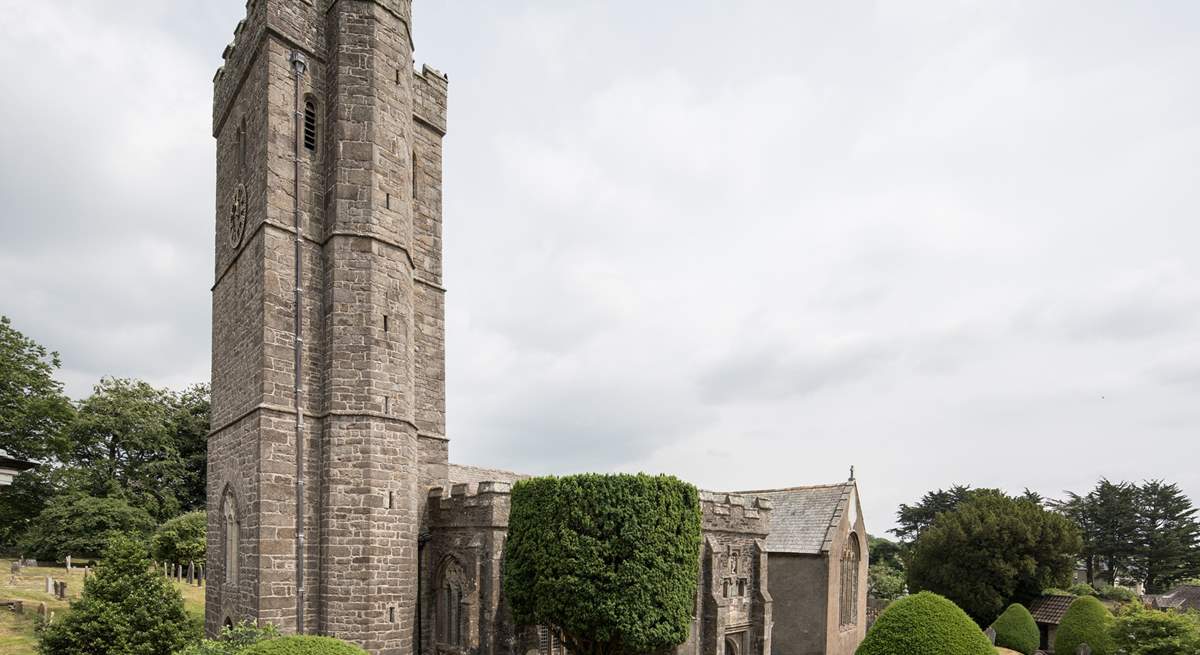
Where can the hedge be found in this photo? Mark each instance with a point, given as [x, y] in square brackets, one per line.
[1016, 630]
[925, 623]
[610, 560]
[1087, 621]
[304, 645]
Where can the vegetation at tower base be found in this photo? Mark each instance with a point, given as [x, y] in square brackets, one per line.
[991, 551]
[82, 526]
[303, 645]
[1140, 631]
[1016, 630]
[1087, 621]
[611, 560]
[127, 608]
[181, 540]
[924, 623]
[232, 640]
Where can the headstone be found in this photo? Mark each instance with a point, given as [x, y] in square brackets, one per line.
[991, 635]
[68, 562]
[191, 572]
[18, 606]
[16, 567]
[42, 610]
[49, 585]
[166, 570]
[62, 590]
[1083, 649]
[200, 576]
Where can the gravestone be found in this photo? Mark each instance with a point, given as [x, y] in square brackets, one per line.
[49, 585]
[1083, 649]
[68, 563]
[200, 577]
[991, 635]
[18, 606]
[42, 610]
[191, 572]
[16, 567]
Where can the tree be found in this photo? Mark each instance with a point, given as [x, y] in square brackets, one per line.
[1140, 631]
[1087, 621]
[33, 409]
[126, 609]
[610, 560]
[912, 520]
[1107, 519]
[991, 551]
[924, 623]
[181, 539]
[885, 552]
[82, 526]
[190, 420]
[885, 582]
[123, 442]
[1168, 536]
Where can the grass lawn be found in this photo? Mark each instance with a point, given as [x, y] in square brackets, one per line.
[16, 631]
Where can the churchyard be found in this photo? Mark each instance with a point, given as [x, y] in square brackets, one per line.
[17, 629]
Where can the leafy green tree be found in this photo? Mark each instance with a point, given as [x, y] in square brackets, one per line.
[33, 409]
[124, 444]
[190, 420]
[924, 623]
[1140, 631]
[912, 520]
[885, 582]
[1168, 537]
[884, 551]
[1087, 621]
[610, 560]
[1107, 519]
[1016, 630]
[82, 526]
[181, 539]
[126, 609]
[991, 551]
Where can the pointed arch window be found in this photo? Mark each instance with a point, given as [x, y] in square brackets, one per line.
[310, 125]
[231, 527]
[451, 590]
[848, 600]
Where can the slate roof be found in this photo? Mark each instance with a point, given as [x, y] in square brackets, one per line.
[1050, 609]
[803, 518]
[1183, 597]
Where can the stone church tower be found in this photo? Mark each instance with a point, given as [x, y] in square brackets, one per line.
[328, 393]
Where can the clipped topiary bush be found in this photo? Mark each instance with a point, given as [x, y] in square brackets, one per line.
[181, 539]
[1016, 630]
[610, 560]
[303, 645]
[1087, 621]
[924, 623]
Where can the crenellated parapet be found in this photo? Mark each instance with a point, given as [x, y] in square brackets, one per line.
[723, 512]
[485, 506]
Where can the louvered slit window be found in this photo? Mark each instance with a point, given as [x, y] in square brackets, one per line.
[310, 126]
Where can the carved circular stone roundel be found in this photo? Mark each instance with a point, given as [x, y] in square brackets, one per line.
[237, 216]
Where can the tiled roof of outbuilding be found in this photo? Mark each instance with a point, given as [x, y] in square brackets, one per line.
[802, 518]
[1050, 609]
[1183, 597]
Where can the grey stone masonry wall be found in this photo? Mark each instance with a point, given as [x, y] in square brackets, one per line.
[373, 374]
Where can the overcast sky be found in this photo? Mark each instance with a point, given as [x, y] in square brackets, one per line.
[748, 243]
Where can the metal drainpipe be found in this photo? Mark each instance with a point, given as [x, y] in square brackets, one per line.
[299, 63]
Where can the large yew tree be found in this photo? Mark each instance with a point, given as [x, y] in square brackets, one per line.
[609, 560]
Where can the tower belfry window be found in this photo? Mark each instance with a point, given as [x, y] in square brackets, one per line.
[310, 126]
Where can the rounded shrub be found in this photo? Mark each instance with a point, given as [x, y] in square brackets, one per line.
[303, 645]
[1087, 621]
[924, 623]
[181, 539]
[1016, 630]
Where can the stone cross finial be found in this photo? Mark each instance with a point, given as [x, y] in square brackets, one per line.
[851, 471]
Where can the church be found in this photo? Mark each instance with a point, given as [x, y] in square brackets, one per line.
[333, 507]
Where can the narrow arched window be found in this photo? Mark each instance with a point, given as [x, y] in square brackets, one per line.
[450, 601]
[415, 172]
[848, 601]
[310, 125]
[232, 529]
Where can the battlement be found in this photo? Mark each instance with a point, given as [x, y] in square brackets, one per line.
[733, 513]
[430, 90]
[485, 505]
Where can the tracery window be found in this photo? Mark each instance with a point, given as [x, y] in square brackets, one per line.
[450, 601]
[232, 529]
[851, 555]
